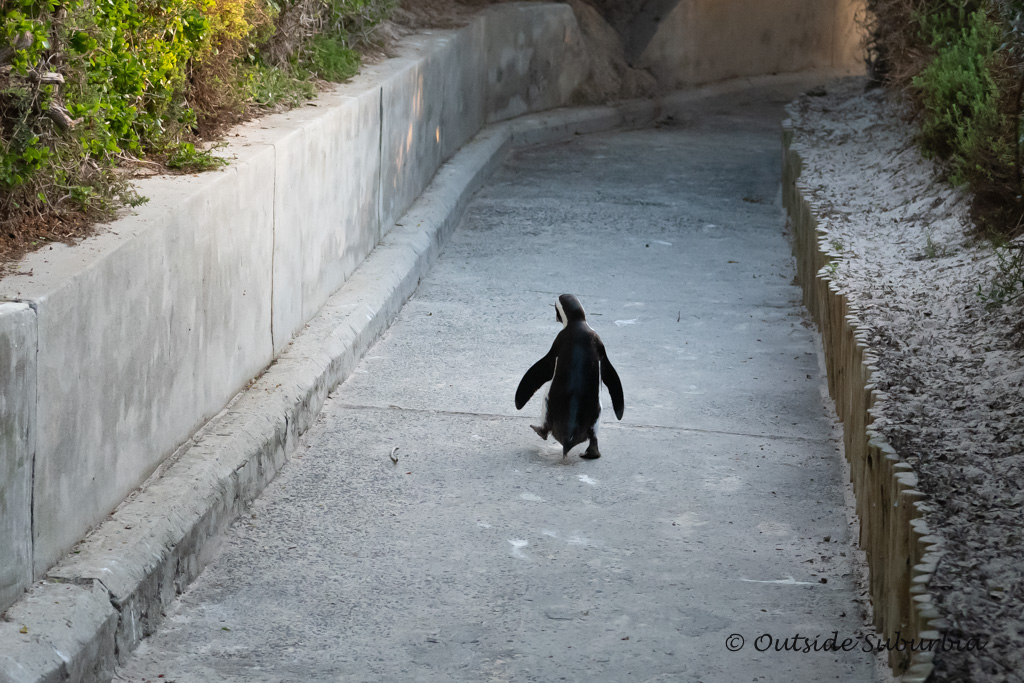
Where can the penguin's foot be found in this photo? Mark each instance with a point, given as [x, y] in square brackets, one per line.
[541, 431]
[591, 453]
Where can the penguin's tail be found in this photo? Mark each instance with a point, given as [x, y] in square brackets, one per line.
[570, 443]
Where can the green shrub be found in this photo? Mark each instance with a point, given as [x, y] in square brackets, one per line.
[88, 84]
[133, 62]
[960, 100]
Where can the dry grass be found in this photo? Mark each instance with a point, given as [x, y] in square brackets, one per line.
[31, 232]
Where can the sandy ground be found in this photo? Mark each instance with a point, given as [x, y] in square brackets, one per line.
[901, 240]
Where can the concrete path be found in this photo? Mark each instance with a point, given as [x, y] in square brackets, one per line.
[716, 510]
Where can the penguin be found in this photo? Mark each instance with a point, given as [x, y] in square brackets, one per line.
[576, 365]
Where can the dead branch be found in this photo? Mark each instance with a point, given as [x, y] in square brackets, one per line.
[60, 117]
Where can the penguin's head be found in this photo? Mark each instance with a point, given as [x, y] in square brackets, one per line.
[568, 309]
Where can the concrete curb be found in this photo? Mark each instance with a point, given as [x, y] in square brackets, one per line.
[902, 553]
[97, 604]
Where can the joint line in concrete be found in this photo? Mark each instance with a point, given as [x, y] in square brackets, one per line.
[604, 425]
[380, 165]
[273, 244]
[33, 306]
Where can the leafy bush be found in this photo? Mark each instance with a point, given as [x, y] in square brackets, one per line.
[108, 78]
[133, 63]
[86, 86]
[960, 99]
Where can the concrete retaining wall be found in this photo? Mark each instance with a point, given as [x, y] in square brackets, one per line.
[17, 444]
[701, 41]
[147, 331]
[902, 555]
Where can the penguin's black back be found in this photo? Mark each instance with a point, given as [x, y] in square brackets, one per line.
[574, 396]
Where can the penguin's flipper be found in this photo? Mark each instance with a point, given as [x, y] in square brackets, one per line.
[611, 380]
[541, 372]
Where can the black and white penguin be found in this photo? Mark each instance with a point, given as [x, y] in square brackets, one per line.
[576, 365]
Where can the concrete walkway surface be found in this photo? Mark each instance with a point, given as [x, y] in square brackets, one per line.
[717, 511]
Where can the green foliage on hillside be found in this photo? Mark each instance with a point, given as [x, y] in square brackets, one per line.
[88, 85]
[960, 99]
[962, 63]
